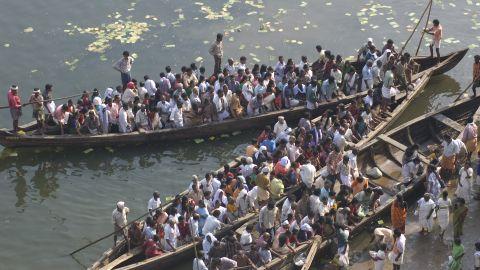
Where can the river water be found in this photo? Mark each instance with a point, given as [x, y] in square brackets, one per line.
[55, 200]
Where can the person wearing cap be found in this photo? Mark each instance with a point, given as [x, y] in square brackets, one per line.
[15, 106]
[426, 207]
[124, 65]
[129, 94]
[36, 99]
[119, 219]
[261, 155]
[280, 126]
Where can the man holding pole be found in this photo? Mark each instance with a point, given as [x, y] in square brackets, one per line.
[476, 74]
[436, 31]
[119, 218]
[15, 106]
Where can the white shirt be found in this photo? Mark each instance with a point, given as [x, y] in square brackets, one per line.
[164, 108]
[199, 264]
[193, 225]
[150, 87]
[450, 149]
[154, 204]
[307, 174]
[212, 224]
[314, 202]
[368, 100]
[171, 233]
[286, 209]
[141, 119]
[380, 259]
[278, 128]
[267, 217]
[123, 121]
[141, 93]
[119, 218]
[177, 116]
[246, 240]
[476, 257]
[128, 95]
[408, 171]
[280, 70]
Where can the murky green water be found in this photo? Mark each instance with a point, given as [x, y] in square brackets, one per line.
[54, 201]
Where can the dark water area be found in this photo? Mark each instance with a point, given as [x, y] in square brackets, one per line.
[56, 200]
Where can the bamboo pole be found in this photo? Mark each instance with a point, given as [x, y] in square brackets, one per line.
[426, 25]
[416, 26]
[48, 100]
[465, 90]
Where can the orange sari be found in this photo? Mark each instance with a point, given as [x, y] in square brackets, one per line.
[399, 216]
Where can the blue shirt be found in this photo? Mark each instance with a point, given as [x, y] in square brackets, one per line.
[367, 73]
[270, 144]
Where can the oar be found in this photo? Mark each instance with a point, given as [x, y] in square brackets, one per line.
[48, 100]
[426, 25]
[463, 92]
[414, 29]
[110, 234]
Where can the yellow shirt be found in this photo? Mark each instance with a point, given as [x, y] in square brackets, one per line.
[231, 208]
[276, 188]
[251, 149]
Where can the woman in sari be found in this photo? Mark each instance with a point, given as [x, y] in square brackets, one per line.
[459, 214]
[444, 206]
[399, 213]
[455, 261]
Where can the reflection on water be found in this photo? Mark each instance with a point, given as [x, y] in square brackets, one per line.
[36, 174]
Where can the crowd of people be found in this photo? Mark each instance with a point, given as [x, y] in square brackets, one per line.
[191, 97]
[329, 203]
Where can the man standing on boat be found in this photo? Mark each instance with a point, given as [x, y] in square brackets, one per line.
[476, 74]
[119, 218]
[216, 50]
[124, 65]
[15, 106]
[36, 99]
[436, 31]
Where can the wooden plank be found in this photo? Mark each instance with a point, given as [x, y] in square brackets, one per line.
[448, 122]
[312, 253]
[400, 146]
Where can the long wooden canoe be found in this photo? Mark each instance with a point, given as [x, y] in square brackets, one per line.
[10, 139]
[386, 151]
[426, 62]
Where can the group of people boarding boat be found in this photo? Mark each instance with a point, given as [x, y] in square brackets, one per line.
[190, 97]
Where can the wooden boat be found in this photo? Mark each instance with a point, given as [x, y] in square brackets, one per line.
[386, 151]
[10, 139]
[118, 254]
[426, 62]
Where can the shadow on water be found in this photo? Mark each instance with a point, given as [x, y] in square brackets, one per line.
[37, 173]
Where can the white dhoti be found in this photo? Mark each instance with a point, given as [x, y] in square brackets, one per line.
[443, 216]
[464, 191]
[424, 210]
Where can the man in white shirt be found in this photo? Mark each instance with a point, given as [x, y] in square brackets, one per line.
[449, 157]
[176, 116]
[129, 94]
[368, 99]
[367, 76]
[267, 218]
[379, 257]
[229, 67]
[212, 224]
[119, 219]
[409, 171]
[246, 239]
[150, 86]
[171, 234]
[280, 126]
[307, 174]
[279, 70]
[221, 105]
[141, 119]
[154, 203]
[124, 66]
[123, 120]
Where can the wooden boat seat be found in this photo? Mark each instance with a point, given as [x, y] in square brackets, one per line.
[400, 146]
[448, 122]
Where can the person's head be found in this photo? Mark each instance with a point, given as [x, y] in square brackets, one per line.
[36, 91]
[281, 120]
[477, 58]
[126, 54]
[436, 22]
[396, 233]
[120, 205]
[216, 213]
[447, 138]
[426, 196]
[369, 63]
[369, 42]
[48, 87]
[219, 37]
[457, 241]
[445, 194]
[271, 205]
